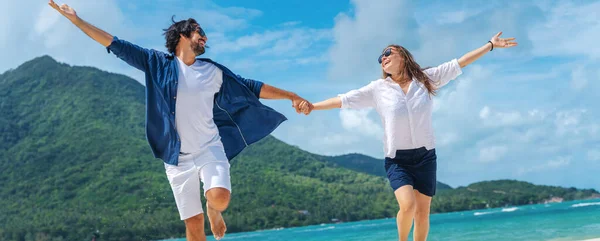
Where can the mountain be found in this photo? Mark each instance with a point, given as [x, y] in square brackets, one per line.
[75, 163]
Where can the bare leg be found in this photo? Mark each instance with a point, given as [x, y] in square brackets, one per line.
[421, 216]
[406, 200]
[217, 200]
[194, 228]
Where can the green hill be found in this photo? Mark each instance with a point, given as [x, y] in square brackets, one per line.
[75, 161]
[500, 193]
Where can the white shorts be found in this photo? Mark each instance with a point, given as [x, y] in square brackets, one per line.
[210, 165]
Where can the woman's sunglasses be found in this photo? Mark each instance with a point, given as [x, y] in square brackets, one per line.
[386, 53]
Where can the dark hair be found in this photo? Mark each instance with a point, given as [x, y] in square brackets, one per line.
[412, 69]
[183, 27]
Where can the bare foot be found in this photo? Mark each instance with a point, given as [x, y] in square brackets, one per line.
[217, 224]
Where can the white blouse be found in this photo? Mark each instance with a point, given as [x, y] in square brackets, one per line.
[406, 118]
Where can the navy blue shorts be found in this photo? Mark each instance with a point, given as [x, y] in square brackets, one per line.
[415, 167]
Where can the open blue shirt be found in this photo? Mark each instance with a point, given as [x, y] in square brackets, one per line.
[238, 114]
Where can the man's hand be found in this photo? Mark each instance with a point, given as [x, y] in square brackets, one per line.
[65, 10]
[306, 107]
[301, 105]
[273, 93]
[96, 34]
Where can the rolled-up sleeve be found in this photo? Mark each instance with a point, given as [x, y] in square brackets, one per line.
[253, 85]
[444, 73]
[359, 98]
[132, 54]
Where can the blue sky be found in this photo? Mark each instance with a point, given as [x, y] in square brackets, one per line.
[527, 113]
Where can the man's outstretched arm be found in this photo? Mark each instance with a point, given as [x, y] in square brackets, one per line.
[134, 55]
[95, 33]
[270, 92]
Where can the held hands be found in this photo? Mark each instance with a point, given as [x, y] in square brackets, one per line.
[301, 105]
[498, 42]
[64, 9]
[306, 107]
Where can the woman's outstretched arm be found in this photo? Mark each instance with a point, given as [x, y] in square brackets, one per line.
[495, 42]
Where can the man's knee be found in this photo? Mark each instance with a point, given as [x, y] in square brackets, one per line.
[195, 221]
[218, 198]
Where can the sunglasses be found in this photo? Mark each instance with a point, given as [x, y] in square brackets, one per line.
[386, 53]
[200, 31]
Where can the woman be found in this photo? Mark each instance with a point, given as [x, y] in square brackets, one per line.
[402, 98]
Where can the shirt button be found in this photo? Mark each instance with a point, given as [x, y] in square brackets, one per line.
[175, 97]
[173, 113]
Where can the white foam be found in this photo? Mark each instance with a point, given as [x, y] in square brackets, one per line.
[316, 229]
[510, 209]
[482, 213]
[584, 204]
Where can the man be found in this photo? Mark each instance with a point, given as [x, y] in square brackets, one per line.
[199, 115]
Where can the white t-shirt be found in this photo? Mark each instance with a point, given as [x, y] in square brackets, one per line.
[197, 87]
[406, 118]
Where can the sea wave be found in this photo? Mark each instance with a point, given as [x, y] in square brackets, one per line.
[584, 204]
[316, 229]
[482, 213]
[504, 210]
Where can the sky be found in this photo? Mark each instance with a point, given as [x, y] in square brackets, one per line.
[528, 113]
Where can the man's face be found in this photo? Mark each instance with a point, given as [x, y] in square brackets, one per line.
[198, 41]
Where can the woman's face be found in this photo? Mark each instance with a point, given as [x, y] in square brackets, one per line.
[391, 61]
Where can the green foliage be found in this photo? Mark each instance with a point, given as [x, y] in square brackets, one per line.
[501, 193]
[75, 163]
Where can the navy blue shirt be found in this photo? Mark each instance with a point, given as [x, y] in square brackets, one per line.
[238, 114]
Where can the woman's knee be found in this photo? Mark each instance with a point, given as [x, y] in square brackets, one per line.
[406, 199]
[408, 206]
[421, 213]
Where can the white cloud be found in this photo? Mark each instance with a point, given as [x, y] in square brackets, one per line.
[337, 139]
[494, 119]
[360, 37]
[568, 122]
[295, 42]
[52, 34]
[492, 153]
[593, 155]
[571, 29]
[322, 132]
[499, 118]
[291, 23]
[248, 41]
[485, 112]
[274, 49]
[359, 121]
[582, 75]
[560, 162]
[447, 138]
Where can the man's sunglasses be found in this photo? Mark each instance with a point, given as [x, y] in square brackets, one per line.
[386, 53]
[200, 31]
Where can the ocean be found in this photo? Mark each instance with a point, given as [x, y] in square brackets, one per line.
[573, 220]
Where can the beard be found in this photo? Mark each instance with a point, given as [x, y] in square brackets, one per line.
[198, 49]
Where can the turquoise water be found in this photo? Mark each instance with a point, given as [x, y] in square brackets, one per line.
[575, 220]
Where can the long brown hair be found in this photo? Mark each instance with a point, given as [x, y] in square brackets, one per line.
[412, 69]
